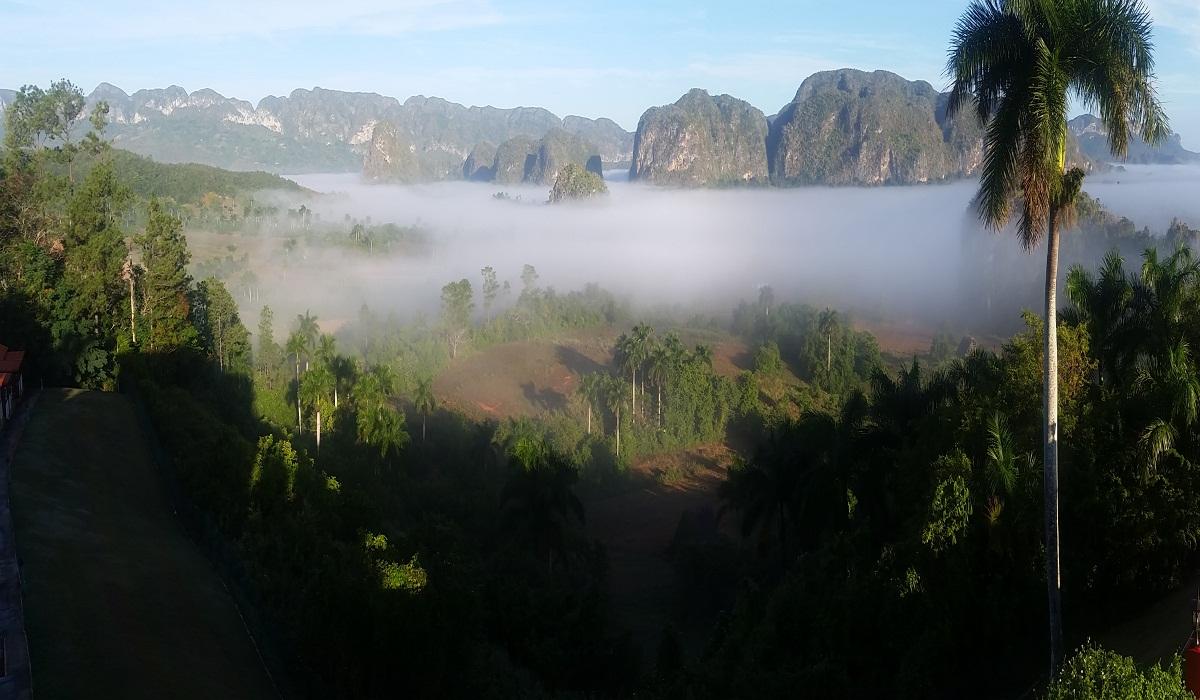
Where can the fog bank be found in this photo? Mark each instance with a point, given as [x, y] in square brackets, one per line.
[888, 251]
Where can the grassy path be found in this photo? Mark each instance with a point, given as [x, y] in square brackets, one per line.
[118, 602]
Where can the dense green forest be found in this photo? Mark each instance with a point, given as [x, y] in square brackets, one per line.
[889, 509]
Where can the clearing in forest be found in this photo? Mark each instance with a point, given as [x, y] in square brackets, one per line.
[534, 377]
[118, 602]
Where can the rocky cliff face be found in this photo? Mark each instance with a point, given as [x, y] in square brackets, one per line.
[848, 127]
[1089, 131]
[614, 145]
[523, 160]
[701, 141]
[325, 130]
[391, 157]
[478, 165]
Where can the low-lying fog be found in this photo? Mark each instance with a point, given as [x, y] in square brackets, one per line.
[888, 250]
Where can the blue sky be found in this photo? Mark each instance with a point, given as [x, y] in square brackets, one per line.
[613, 58]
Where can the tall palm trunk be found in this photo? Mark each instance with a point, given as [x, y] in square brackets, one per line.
[633, 375]
[132, 320]
[424, 416]
[589, 417]
[618, 433]
[1050, 446]
[299, 417]
[828, 351]
[318, 431]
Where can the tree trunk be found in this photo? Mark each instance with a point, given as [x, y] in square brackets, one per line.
[1050, 446]
[633, 375]
[299, 417]
[318, 431]
[828, 351]
[132, 320]
[424, 415]
[335, 396]
[589, 418]
[659, 403]
[618, 433]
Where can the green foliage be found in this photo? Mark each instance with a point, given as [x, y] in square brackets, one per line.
[1098, 674]
[221, 333]
[820, 346]
[166, 284]
[950, 508]
[767, 360]
[574, 182]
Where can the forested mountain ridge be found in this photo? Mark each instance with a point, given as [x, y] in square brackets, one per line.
[1093, 140]
[322, 130]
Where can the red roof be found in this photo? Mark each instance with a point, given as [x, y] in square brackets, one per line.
[5, 378]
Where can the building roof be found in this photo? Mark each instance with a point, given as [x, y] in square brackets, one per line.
[10, 360]
[7, 378]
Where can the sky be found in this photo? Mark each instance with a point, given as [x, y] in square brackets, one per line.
[613, 58]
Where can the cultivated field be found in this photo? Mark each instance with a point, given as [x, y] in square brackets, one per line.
[118, 602]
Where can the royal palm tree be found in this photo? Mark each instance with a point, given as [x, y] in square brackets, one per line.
[630, 354]
[660, 367]
[827, 323]
[424, 401]
[295, 347]
[613, 394]
[1015, 62]
[590, 386]
[309, 331]
[344, 370]
[316, 390]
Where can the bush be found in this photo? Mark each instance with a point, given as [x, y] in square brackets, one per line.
[1104, 675]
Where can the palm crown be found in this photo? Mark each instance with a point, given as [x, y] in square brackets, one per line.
[1018, 61]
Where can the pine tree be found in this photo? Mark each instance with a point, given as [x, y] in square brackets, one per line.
[165, 257]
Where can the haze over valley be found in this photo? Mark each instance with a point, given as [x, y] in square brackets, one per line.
[683, 350]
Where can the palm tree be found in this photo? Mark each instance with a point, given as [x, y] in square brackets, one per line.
[315, 388]
[295, 347]
[309, 331]
[703, 354]
[344, 370]
[1016, 61]
[378, 423]
[614, 399]
[631, 353]
[827, 323]
[660, 366]
[424, 401]
[1104, 305]
[590, 386]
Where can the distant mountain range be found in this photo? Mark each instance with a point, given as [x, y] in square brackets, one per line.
[322, 130]
[843, 127]
[1093, 139]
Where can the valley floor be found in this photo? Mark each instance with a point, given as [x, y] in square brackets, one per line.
[118, 602]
